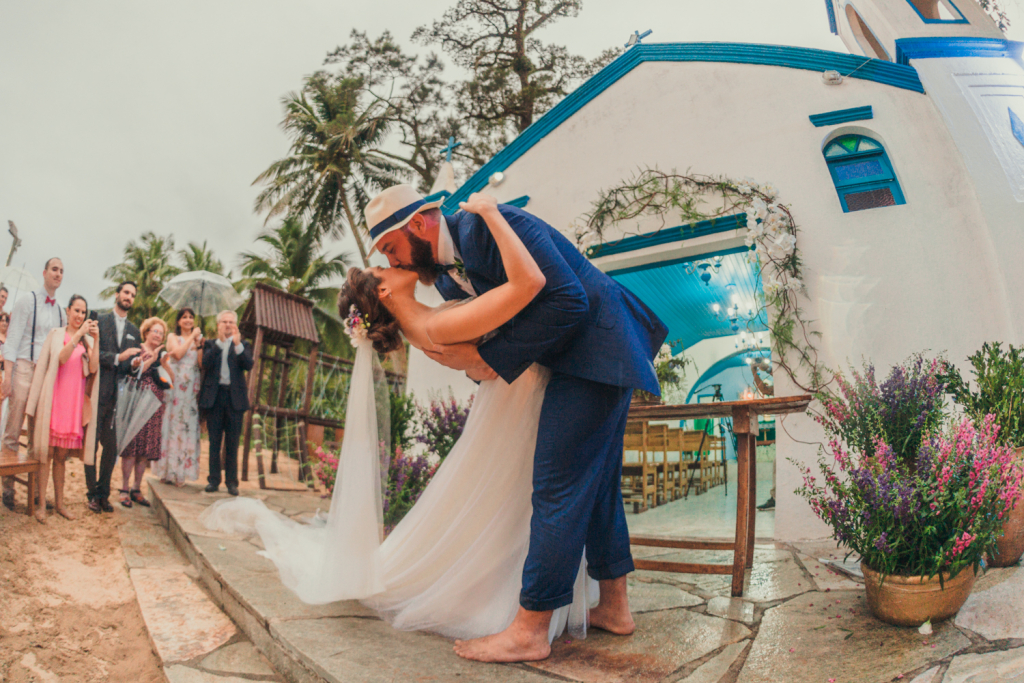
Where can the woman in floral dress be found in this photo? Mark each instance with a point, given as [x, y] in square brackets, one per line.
[146, 445]
[180, 460]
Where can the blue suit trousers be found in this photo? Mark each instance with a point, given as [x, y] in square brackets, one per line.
[577, 499]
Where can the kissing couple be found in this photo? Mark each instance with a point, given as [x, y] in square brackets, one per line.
[521, 533]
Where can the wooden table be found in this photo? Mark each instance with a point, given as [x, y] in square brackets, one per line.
[745, 427]
[11, 465]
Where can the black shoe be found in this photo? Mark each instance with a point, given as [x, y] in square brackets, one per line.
[9, 500]
[212, 488]
[767, 505]
[105, 505]
[137, 497]
[95, 506]
[233, 490]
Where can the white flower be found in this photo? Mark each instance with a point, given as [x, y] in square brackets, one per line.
[758, 209]
[794, 284]
[770, 190]
[781, 246]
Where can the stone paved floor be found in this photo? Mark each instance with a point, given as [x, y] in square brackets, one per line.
[797, 622]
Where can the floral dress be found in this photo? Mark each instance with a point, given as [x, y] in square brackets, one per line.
[146, 444]
[180, 460]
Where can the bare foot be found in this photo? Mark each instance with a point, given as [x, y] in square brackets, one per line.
[62, 511]
[504, 647]
[612, 618]
[40, 516]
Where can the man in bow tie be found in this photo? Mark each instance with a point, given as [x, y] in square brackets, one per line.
[32, 319]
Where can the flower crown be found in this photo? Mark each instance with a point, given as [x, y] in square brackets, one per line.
[356, 325]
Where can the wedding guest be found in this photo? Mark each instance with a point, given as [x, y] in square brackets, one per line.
[145, 446]
[5, 322]
[224, 397]
[33, 318]
[119, 353]
[180, 459]
[62, 400]
[3, 298]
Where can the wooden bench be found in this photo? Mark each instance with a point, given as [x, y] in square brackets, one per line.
[11, 465]
[639, 479]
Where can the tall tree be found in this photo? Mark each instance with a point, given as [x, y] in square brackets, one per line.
[147, 262]
[197, 256]
[419, 100]
[334, 165]
[515, 76]
[294, 260]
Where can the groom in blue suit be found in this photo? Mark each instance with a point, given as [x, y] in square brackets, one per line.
[598, 340]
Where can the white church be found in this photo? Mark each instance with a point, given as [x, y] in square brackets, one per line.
[902, 163]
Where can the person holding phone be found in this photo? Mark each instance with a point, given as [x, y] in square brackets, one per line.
[62, 401]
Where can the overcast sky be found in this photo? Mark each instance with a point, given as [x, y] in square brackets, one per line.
[119, 117]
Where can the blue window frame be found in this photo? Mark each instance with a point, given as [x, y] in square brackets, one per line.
[862, 173]
[937, 11]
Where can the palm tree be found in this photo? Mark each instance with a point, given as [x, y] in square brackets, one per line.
[295, 262]
[147, 262]
[333, 166]
[199, 257]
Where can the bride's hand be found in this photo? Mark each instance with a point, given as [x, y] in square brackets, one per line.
[479, 203]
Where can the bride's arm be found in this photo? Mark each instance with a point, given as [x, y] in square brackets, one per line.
[496, 307]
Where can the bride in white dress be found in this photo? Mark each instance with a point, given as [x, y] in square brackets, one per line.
[454, 564]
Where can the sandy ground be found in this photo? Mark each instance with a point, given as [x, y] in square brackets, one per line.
[67, 607]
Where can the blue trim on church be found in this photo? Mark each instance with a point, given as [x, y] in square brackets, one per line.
[832, 26]
[933, 48]
[831, 118]
[672, 262]
[669, 235]
[1017, 126]
[876, 70]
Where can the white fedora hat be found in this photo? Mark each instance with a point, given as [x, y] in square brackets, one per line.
[392, 209]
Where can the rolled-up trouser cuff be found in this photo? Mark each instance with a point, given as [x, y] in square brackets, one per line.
[546, 605]
[611, 571]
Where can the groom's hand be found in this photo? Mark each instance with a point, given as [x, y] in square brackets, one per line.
[463, 357]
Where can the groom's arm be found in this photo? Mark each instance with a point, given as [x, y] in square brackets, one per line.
[551, 317]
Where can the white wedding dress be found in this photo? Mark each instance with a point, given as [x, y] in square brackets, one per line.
[454, 564]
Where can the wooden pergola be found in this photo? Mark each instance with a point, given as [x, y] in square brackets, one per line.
[275, 320]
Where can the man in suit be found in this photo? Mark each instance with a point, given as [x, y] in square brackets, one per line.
[120, 345]
[599, 341]
[224, 397]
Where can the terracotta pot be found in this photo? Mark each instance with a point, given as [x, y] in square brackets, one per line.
[1010, 546]
[913, 600]
[339, 435]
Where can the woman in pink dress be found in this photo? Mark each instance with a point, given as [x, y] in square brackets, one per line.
[61, 401]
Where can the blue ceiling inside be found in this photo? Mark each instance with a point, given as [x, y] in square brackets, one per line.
[685, 303]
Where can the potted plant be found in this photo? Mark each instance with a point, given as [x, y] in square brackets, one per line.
[916, 494]
[671, 371]
[999, 376]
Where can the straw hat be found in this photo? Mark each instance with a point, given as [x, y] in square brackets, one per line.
[392, 209]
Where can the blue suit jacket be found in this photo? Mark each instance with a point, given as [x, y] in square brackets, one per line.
[582, 323]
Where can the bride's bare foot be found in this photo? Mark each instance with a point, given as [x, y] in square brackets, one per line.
[62, 511]
[612, 612]
[525, 640]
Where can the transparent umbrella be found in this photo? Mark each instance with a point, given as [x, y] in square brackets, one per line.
[204, 292]
[17, 279]
[135, 405]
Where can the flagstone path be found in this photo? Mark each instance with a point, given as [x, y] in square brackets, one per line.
[798, 621]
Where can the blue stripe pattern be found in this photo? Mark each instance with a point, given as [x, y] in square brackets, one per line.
[932, 48]
[395, 218]
[1017, 126]
[877, 70]
[669, 235]
[831, 118]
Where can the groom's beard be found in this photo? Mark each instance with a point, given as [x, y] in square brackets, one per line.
[423, 263]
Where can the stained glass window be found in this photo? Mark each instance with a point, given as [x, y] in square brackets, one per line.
[862, 174]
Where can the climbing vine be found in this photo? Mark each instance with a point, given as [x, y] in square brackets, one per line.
[771, 236]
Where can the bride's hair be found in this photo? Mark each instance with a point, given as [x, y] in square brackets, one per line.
[360, 290]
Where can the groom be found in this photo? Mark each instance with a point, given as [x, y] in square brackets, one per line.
[598, 340]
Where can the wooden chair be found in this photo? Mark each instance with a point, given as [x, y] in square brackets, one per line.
[677, 444]
[716, 460]
[664, 439]
[695, 442]
[639, 479]
[11, 465]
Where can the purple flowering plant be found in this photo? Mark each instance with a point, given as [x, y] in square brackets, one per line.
[439, 424]
[408, 476]
[912, 490]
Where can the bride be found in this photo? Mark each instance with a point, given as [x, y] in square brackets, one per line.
[454, 564]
